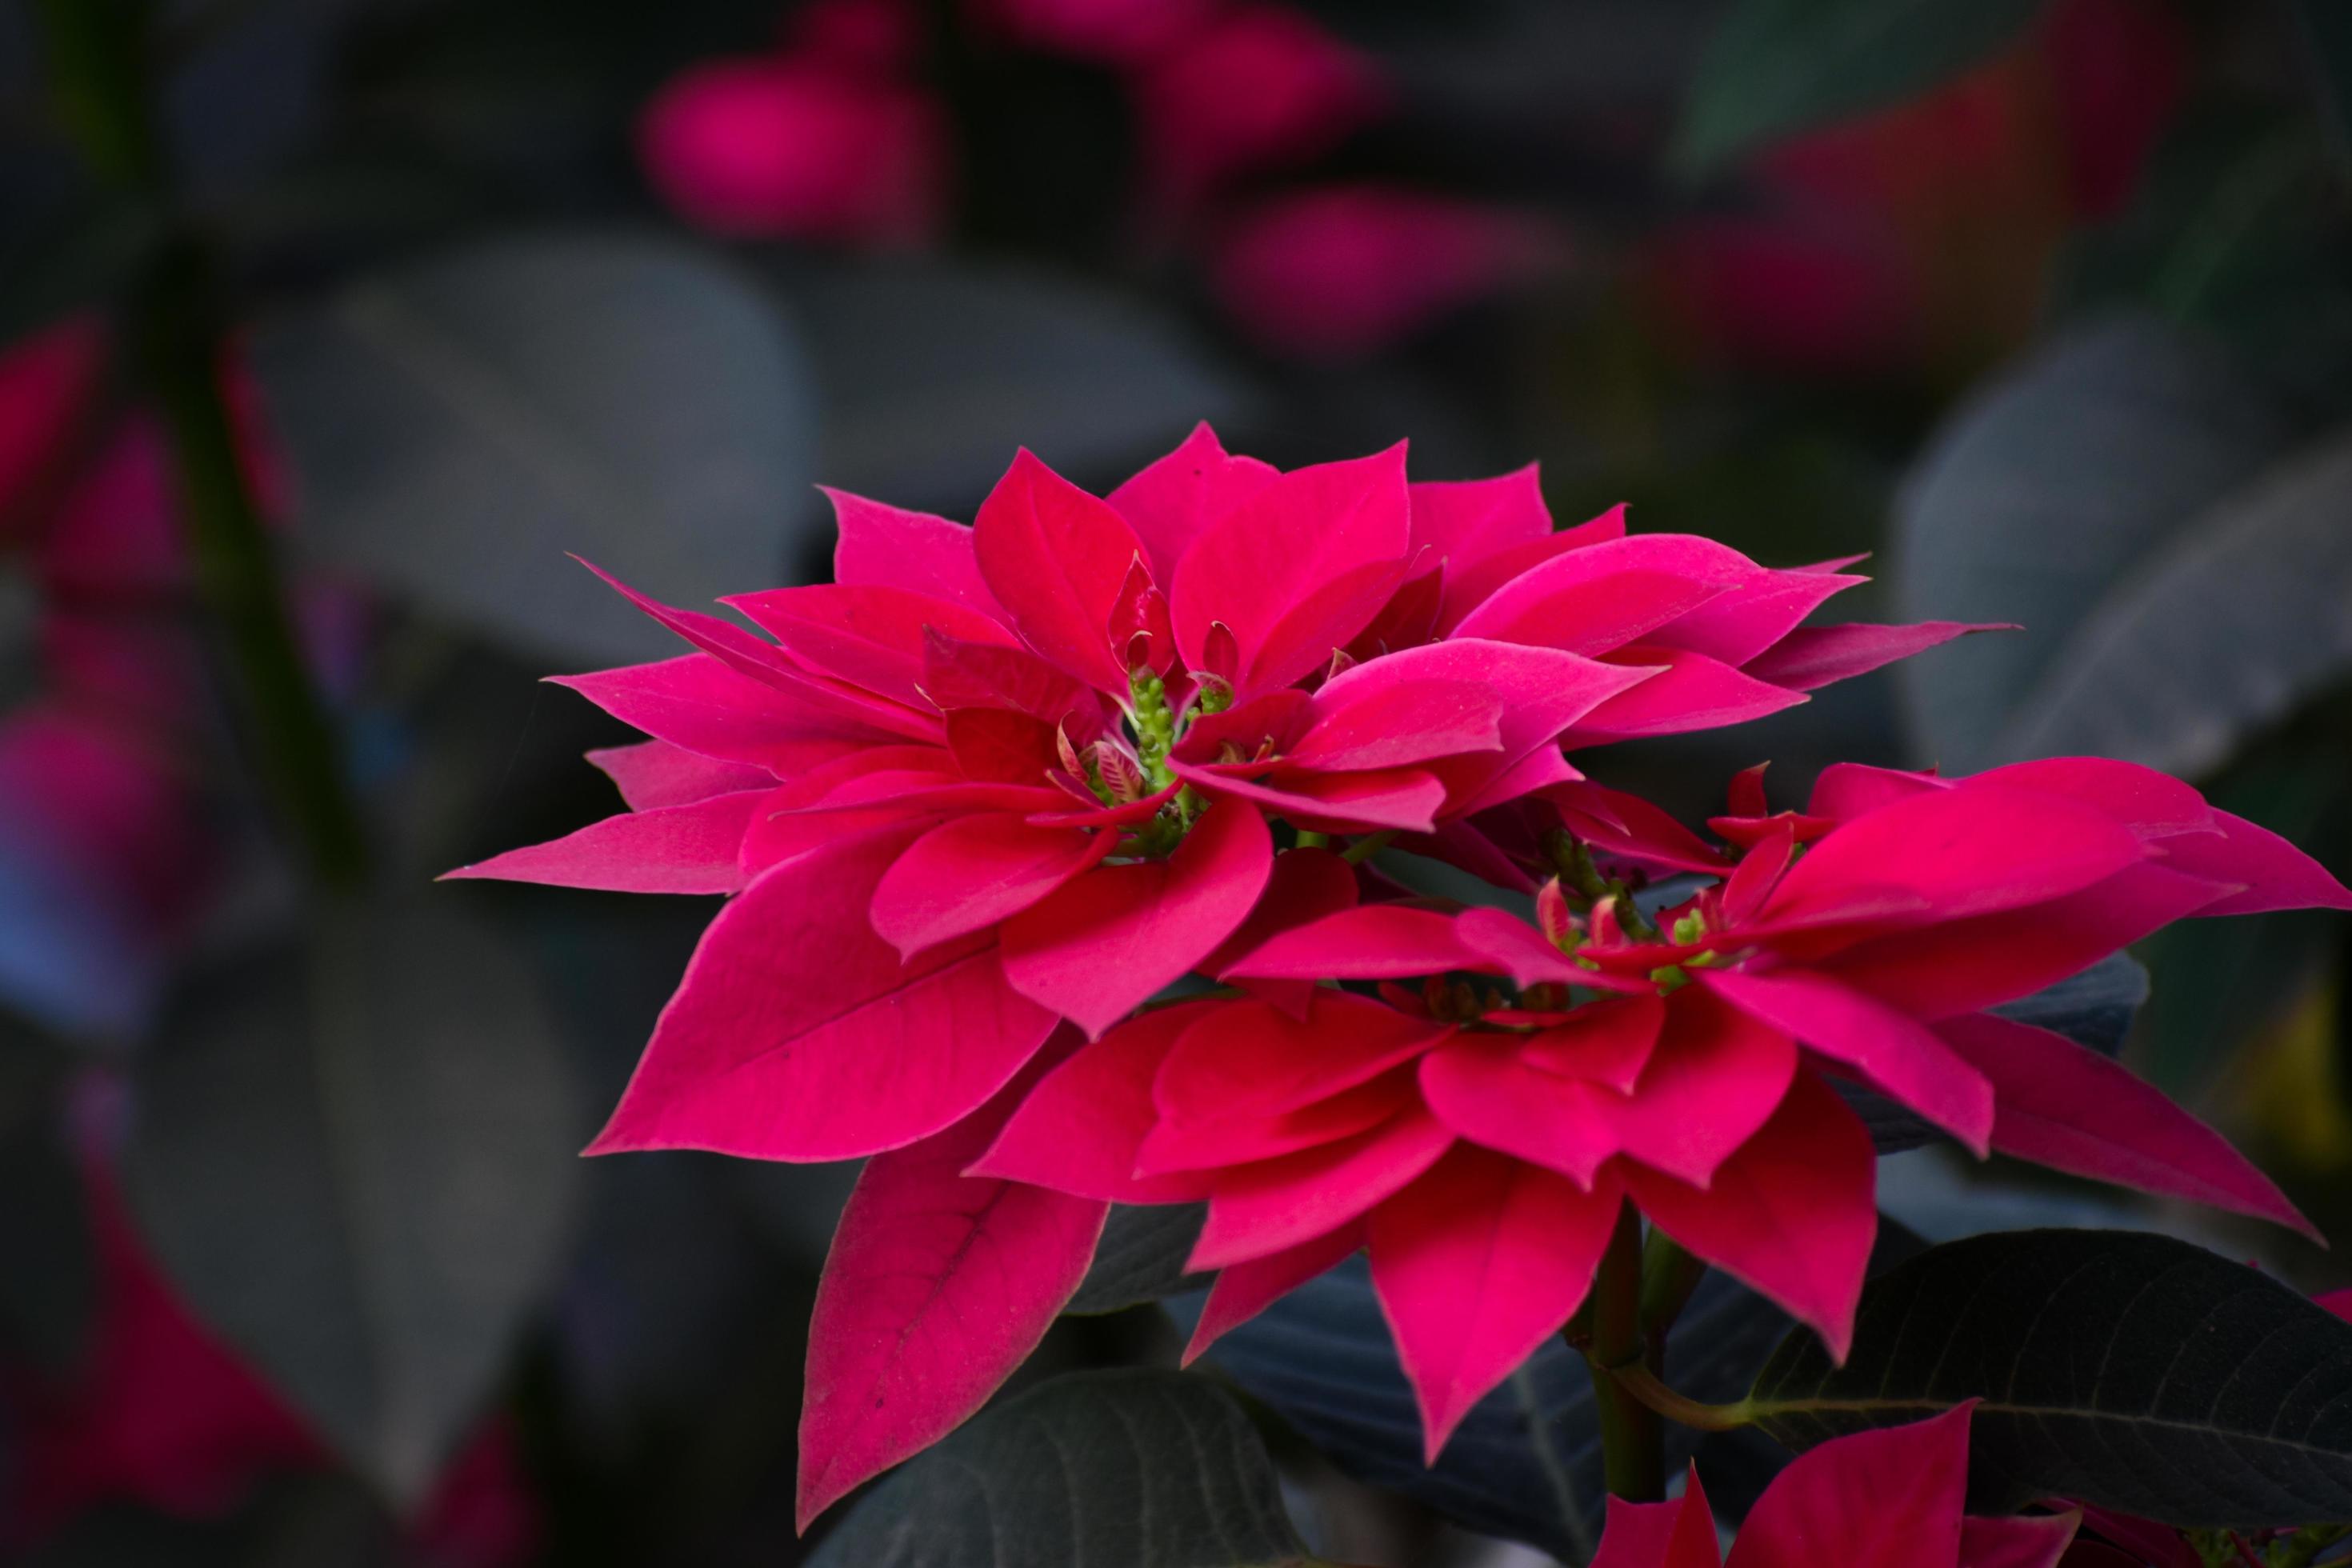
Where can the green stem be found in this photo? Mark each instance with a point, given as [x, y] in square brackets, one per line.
[1310, 839]
[1651, 1392]
[1669, 1275]
[2308, 1543]
[1633, 1440]
[96, 53]
[1360, 850]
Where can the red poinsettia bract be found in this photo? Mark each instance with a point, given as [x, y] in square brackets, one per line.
[1888, 1499]
[998, 776]
[1477, 1133]
[999, 785]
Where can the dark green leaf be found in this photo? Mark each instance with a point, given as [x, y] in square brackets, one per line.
[2077, 497]
[933, 375]
[1776, 67]
[2132, 1371]
[455, 426]
[356, 1158]
[1526, 1463]
[1109, 1469]
[1141, 1257]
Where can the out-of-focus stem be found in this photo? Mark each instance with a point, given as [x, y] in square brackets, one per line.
[98, 66]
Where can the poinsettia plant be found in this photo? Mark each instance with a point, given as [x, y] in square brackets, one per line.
[1257, 1015]
[1071, 861]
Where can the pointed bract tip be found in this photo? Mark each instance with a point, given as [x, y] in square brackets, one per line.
[1433, 1439]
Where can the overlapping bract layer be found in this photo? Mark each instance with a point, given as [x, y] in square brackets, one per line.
[1479, 1135]
[992, 790]
[995, 776]
[1888, 1499]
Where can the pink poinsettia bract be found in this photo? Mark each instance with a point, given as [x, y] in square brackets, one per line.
[996, 777]
[1889, 1498]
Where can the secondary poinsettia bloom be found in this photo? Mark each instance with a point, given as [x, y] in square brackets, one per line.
[1477, 1130]
[1922, 235]
[49, 382]
[1115, 32]
[817, 143]
[1344, 271]
[1257, 86]
[1889, 1498]
[995, 777]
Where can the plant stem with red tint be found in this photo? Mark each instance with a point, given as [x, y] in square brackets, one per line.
[97, 49]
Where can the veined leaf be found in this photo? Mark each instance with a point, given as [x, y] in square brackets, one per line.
[1526, 1462]
[356, 1158]
[2132, 1371]
[1114, 1469]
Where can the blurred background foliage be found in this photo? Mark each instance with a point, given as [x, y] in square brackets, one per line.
[2047, 303]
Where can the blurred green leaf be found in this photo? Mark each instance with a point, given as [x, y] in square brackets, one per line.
[2221, 630]
[2327, 38]
[2238, 228]
[118, 1537]
[1777, 66]
[48, 1291]
[2084, 495]
[933, 374]
[455, 426]
[355, 1157]
[81, 251]
[1110, 1469]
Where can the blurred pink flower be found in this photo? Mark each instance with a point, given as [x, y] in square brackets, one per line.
[162, 1414]
[103, 856]
[801, 147]
[1112, 31]
[1887, 1499]
[2117, 69]
[46, 382]
[1922, 234]
[1344, 271]
[1260, 86]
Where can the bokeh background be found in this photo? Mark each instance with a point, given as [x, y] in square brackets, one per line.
[2045, 303]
